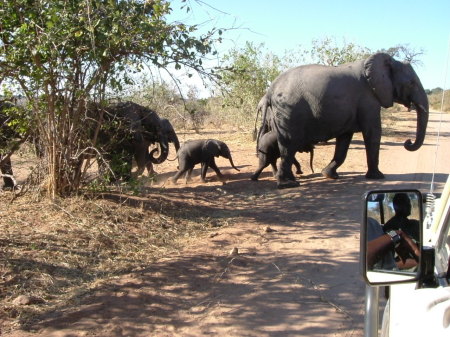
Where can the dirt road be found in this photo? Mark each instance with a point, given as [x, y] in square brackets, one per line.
[301, 278]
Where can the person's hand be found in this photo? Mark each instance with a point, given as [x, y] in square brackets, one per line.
[407, 248]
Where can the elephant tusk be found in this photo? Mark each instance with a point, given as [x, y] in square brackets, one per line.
[421, 107]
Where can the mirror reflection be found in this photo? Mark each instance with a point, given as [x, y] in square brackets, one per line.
[393, 232]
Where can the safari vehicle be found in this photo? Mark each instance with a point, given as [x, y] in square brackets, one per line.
[418, 294]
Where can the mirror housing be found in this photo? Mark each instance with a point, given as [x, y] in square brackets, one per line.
[391, 237]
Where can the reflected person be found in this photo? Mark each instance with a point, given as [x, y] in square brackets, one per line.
[400, 221]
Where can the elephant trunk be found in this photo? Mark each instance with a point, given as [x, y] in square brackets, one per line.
[176, 143]
[163, 150]
[232, 164]
[420, 102]
[141, 155]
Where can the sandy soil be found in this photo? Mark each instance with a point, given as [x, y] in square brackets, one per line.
[300, 278]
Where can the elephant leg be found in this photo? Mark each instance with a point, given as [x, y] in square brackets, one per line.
[286, 178]
[150, 169]
[372, 142]
[6, 169]
[183, 169]
[297, 166]
[203, 171]
[142, 157]
[213, 165]
[139, 172]
[273, 164]
[188, 175]
[263, 163]
[340, 153]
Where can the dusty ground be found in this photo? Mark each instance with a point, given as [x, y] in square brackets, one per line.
[300, 279]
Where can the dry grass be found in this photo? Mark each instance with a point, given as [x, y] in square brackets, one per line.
[389, 118]
[440, 102]
[54, 252]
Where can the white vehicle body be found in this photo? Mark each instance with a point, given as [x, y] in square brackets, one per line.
[414, 309]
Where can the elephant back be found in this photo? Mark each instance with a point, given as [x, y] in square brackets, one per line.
[140, 120]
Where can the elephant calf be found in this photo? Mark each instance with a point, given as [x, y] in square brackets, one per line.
[268, 153]
[201, 151]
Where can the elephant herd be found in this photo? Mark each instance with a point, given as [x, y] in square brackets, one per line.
[302, 107]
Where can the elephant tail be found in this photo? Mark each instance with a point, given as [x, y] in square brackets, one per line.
[262, 107]
[255, 131]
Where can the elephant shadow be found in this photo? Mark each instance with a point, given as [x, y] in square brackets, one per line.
[228, 172]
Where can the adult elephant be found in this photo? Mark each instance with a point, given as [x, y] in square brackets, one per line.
[315, 103]
[127, 131]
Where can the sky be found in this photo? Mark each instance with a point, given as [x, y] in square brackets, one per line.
[286, 24]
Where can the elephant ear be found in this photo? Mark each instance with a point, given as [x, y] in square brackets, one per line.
[212, 147]
[377, 69]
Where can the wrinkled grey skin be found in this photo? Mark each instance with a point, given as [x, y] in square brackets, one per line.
[134, 128]
[201, 152]
[267, 120]
[268, 153]
[315, 103]
[169, 132]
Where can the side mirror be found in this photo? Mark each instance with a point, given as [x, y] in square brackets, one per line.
[391, 237]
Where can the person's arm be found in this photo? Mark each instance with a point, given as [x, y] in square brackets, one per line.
[377, 248]
[405, 249]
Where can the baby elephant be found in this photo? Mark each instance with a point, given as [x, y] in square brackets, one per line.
[268, 153]
[201, 151]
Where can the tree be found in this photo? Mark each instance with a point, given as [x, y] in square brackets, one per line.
[328, 52]
[246, 74]
[64, 54]
[405, 53]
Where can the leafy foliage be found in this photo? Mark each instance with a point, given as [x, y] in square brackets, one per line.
[246, 73]
[328, 52]
[63, 54]
[249, 69]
